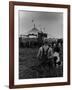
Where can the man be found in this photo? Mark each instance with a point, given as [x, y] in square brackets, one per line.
[45, 55]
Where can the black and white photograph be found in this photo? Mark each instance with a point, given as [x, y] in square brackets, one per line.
[39, 44]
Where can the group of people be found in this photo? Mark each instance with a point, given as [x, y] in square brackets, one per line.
[49, 55]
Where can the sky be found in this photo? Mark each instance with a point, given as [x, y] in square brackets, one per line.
[49, 22]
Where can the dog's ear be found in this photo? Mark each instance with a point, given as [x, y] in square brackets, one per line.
[55, 58]
[59, 63]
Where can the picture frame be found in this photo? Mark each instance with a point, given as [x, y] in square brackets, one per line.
[13, 53]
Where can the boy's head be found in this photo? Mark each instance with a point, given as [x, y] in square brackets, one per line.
[45, 42]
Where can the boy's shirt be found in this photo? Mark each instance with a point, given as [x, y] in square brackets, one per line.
[40, 52]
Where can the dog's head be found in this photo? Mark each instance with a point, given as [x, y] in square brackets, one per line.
[55, 58]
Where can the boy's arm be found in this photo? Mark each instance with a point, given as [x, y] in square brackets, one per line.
[51, 54]
[39, 53]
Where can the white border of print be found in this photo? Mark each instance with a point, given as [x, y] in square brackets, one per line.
[18, 81]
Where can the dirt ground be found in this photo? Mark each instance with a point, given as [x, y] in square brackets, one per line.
[29, 66]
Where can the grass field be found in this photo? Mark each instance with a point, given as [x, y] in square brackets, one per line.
[29, 66]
